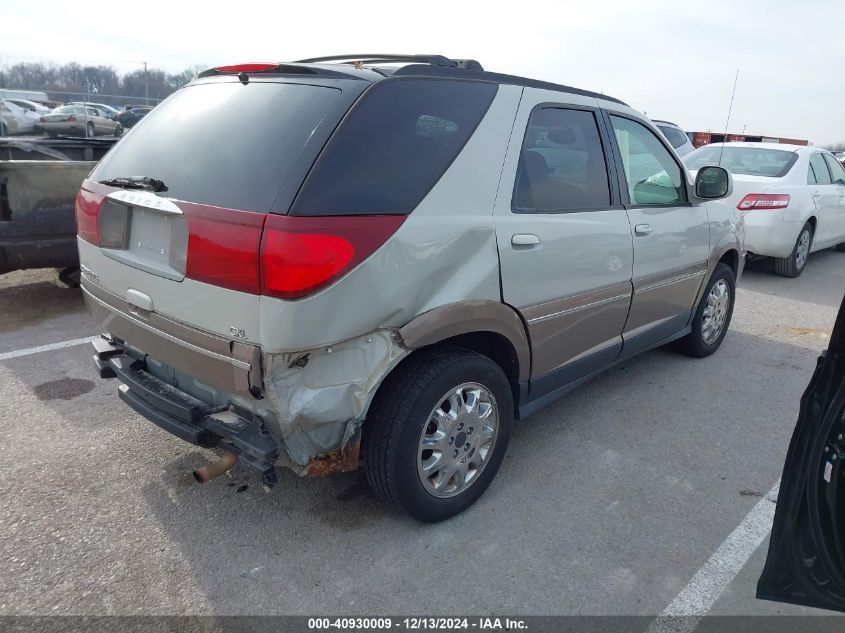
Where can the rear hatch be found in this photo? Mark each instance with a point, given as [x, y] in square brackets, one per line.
[171, 220]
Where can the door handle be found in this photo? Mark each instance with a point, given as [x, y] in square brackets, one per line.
[525, 239]
[641, 230]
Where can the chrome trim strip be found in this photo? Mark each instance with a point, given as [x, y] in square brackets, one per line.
[673, 280]
[169, 337]
[580, 308]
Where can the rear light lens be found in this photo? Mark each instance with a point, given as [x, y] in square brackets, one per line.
[87, 212]
[301, 255]
[223, 246]
[763, 201]
[42, 119]
[113, 224]
[245, 68]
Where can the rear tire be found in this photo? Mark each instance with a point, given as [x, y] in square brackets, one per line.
[794, 265]
[713, 316]
[410, 413]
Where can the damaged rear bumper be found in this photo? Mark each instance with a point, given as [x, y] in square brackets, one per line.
[236, 430]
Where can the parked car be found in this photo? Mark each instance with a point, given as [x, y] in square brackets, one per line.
[792, 198]
[393, 267]
[840, 156]
[110, 111]
[14, 119]
[806, 561]
[128, 118]
[77, 120]
[676, 136]
[32, 107]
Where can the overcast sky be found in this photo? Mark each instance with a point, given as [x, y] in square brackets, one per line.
[674, 60]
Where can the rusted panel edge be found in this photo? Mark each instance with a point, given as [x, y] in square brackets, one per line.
[341, 460]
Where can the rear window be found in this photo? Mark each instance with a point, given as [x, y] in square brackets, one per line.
[224, 144]
[675, 136]
[749, 161]
[393, 147]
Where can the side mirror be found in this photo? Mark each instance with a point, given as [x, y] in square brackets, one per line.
[712, 183]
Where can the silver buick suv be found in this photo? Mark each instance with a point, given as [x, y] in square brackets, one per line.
[385, 260]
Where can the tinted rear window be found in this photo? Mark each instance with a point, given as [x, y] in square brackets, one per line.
[750, 161]
[224, 144]
[675, 136]
[393, 147]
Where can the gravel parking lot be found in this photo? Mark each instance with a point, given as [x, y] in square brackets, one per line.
[609, 501]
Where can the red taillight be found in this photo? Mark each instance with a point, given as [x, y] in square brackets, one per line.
[245, 68]
[300, 255]
[71, 118]
[42, 119]
[763, 201]
[223, 246]
[87, 211]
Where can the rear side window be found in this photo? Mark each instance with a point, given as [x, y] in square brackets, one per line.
[675, 136]
[837, 172]
[562, 165]
[393, 147]
[819, 168]
[224, 144]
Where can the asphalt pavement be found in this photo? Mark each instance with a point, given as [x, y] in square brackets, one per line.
[610, 501]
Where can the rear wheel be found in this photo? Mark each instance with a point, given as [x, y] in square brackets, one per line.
[793, 265]
[713, 316]
[437, 431]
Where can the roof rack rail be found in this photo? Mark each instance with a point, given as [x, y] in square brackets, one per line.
[386, 58]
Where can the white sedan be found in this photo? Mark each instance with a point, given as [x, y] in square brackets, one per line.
[792, 198]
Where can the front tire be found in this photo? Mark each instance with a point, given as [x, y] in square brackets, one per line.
[793, 265]
[713, 316]
[437, 431]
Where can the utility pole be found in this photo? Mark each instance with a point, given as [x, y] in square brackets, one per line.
[146, 86]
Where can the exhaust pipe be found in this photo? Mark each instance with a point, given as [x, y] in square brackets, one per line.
[215, 469]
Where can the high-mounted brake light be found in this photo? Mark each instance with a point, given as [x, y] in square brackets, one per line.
[245, 68]
[763, 201]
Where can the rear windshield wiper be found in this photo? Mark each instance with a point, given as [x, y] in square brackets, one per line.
[136, 182]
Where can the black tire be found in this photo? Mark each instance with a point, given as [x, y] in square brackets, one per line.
[399, 413]
[89, 130]
[841, 247]
[694, 343]
[789, 266]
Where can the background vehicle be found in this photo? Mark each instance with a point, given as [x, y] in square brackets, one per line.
[15, 120]
[40, 179]
[806, 559]
[840, 156]
[131, 116]
[30, 106]
[77, 120]
[792, 198]
[676, 136]
[491, 242]
[109, 111]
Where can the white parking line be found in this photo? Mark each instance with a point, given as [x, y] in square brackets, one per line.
[703, 590]
[46, 348]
